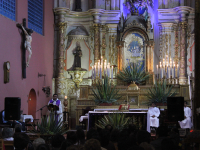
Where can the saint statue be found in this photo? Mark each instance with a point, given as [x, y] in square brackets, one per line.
[77, 56]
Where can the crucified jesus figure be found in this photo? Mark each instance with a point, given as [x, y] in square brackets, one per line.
[27, 45]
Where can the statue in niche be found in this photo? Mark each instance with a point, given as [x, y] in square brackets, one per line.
[77, 56]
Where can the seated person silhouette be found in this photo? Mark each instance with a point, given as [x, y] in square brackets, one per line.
[10, 122]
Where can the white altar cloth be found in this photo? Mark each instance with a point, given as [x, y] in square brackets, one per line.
[24, 117]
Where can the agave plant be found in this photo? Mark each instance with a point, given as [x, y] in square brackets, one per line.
[133, 73]
[116, 120]
[159, 92]
[49, 125]
[104, 92]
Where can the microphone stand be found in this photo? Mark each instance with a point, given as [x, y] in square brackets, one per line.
[41, 109]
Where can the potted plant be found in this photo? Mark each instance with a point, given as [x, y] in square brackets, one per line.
[159, 93]
[104, 93]
[133, 73]
[116, 120]
[50, 126]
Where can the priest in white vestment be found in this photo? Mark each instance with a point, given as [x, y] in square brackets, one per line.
[152, 117]
[186, 123]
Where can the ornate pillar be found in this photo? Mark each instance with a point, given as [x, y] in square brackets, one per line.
[61, 24]
[183, 11]
[112, 44]
[183, 67]
[96, 26]
[176, 48]
[96, 42]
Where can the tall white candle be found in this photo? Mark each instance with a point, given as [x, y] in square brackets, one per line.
[95, 71]
[105, 68]
[101, 60]
[98, 68]
[100, 71]
[174, 71]
[112, 73]
[177, 71]
[92, 72]
[160, 70]
[157, 71]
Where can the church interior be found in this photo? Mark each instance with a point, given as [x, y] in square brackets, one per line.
[77, 45]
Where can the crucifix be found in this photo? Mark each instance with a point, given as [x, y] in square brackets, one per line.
[26, 45]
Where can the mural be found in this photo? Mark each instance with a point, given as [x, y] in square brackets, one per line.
[135, 50]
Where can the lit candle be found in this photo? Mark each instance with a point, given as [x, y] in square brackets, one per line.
[65, 97]
[105, 68]
[160, 70]
[95, 71]
[174, 71]
[92, 72]
[177, 71]
[112, 73]
[157, 71]
[98, 67]
[100, 71]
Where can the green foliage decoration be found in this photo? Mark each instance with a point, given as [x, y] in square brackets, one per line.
[159, 92]
[49, 125]
[104, 92]
[133, 73]
[116, 120]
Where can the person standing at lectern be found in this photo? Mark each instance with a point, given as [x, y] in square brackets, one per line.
[152, 117]
[57, 102]
[186, 123]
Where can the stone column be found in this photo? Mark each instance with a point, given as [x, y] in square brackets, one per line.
[96, 42]
[96, 14]
[183, 67]
[183, 11]
[197, 67]
[61, 24]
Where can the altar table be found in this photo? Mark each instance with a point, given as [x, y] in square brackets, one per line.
[95, 115]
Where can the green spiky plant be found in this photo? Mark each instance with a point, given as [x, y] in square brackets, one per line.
[48, 125]
[133, 73]
[116, 120]
[159, 92]
[104, 92]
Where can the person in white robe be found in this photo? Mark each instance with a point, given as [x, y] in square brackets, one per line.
[186, 123]
[152, 117]
[56, 101]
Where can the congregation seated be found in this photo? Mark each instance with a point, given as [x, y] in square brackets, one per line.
[7, 134]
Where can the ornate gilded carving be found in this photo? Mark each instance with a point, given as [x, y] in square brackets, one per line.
[176, 47]
[182, 76]
[96, 42]
[112, 51]
[103, 40]
[77, 76]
